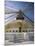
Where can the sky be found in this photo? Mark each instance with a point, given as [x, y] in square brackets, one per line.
[26, 7]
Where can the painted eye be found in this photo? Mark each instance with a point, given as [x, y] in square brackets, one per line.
[10, 30]
[13, 30]
[16, 31]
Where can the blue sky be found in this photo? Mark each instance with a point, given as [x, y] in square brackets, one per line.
[27, 7]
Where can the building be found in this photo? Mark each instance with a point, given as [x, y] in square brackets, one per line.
[21, 24]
